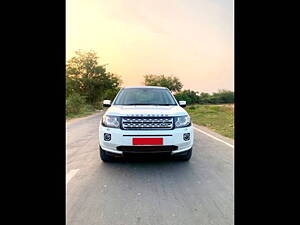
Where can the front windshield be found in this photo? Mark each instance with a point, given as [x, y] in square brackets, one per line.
[145, 96]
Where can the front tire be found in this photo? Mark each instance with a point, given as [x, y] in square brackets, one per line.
[185, 157]
[104, 156]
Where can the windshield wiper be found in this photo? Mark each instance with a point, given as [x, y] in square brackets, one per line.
[164, 104]
[137, 104]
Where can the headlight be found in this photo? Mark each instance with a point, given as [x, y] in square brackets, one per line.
[111, 121]
[182, 121]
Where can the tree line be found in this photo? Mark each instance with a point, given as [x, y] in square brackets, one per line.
[190, 96]
[88, 84]
[193, 97]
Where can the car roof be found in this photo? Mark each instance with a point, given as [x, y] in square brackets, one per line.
[146, 87]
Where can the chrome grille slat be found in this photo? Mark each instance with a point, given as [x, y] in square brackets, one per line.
[147, 123]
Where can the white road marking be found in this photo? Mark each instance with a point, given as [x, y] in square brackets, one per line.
[71, 174]
[218, 139]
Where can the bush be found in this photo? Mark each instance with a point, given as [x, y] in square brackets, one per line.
[86, 108]
[74, 103]
[86, 77]
[192, 97]
[189, 96]
[223, 96]
[192, 107]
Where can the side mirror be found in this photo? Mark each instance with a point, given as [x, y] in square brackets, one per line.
[106, 103]
[182, 103]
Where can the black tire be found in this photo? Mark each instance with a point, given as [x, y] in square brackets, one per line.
[104, 156]
[185, 157]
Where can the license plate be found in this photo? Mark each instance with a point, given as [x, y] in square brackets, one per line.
[147, 141]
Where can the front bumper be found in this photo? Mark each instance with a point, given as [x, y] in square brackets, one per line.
[124, 138]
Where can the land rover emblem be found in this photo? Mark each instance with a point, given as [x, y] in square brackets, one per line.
[147, 115]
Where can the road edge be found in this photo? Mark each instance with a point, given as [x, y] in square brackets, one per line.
[213, 133]
[82, 118]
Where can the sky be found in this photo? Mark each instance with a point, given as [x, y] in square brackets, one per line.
[190, 39]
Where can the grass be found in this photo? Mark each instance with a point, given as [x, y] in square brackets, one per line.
[219, 118]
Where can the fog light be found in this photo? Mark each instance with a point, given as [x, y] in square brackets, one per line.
[186, 136]
[107, 137]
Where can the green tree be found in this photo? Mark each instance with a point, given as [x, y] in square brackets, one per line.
[74, 103]
[72, 86]
[190, 96]
[170, 82]
[204, 98]
[87, 78]
[193, 97]
[222, 96]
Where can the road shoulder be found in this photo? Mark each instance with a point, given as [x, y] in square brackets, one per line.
[213, 133]
[69, 121]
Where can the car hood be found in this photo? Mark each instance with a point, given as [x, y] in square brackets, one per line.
[145, 110]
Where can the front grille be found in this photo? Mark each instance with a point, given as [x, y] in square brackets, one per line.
[146, 123]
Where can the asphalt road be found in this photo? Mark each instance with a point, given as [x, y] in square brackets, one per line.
[157, 192]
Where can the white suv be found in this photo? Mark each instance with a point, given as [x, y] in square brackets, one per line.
[145, 120]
